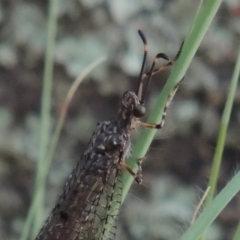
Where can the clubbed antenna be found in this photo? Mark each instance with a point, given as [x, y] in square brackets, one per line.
[140, 83]
[141, 92]
[153, 71]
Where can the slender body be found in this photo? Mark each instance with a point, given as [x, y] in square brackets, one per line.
[84, 209]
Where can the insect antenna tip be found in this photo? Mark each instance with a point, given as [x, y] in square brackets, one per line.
[141, 34]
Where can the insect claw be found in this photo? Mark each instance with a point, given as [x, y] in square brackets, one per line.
[138, 179]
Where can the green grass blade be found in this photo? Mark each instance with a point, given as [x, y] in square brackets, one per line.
[223, 130]
[213, 209]
[45, 112]
[219, 151]
[235, 80]
[36, 209]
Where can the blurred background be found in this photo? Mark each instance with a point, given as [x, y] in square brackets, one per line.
[177, 166]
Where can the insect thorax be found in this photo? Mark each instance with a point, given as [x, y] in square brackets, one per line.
[107, 146]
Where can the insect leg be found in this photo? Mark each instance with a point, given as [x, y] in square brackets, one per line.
[139, 171]
[137, 176]
[161, 124]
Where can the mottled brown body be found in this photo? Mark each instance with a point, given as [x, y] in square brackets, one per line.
[84, 209]
[90, 189]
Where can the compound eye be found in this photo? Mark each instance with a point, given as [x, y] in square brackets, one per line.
[139, 111]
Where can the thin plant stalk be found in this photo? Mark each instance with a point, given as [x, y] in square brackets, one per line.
[222, 132]
[235, 79]
[36, 209]
[214, 207]
[45, 112]
[71, 92]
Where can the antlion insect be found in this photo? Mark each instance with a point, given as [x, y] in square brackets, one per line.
[94, 189]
